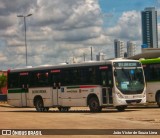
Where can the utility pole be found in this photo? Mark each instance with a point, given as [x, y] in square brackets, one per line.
[91, 54]
[25, 33]
[84, 56]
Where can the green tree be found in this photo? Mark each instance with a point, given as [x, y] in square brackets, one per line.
[3, 81]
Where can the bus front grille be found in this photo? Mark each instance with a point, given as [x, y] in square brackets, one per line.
[133, 101]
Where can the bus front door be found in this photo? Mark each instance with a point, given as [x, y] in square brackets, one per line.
[107, 84]
[56, 91]
[24, 95]
[24, 89]
[55, 78]
[107, 96]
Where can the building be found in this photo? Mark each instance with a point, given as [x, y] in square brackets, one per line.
[100, 56]
[149, 27]
[147, 53]
[131, 48]
[118, 48]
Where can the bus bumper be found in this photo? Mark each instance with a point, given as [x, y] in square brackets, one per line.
[129, 101]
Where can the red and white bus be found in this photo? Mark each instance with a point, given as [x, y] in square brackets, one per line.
[98, 84]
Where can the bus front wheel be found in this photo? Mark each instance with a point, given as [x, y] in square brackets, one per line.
[39, 105]
[158, 99]
[94, 105]
[121, 108]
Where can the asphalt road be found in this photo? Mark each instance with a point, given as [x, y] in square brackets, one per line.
[67, 123]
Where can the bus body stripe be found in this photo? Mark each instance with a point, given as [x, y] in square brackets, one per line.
[150, 61]
[88, 86]
[20, 90]
[82, 86]
[73, 87]
[17, 90]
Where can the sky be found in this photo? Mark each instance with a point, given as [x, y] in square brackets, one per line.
[65, 30]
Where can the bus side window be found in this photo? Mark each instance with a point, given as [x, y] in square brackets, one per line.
[33, 79]
[55, 80]
[66, 77]
[42, 78]
[23, 80]
[92, 75]
[75, 76]
[83, 76]
[13, 80]
[103, 78]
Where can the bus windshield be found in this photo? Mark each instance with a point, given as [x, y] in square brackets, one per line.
[129, 81]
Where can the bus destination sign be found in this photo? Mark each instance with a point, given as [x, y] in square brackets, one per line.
[127, 64]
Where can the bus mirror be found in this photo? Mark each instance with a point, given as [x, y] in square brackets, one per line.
[110, 83]
[59, 85]
[104, 83]
[115, 73]
[22, 86]
[54, 85]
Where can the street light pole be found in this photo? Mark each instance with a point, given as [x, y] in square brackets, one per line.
[91, 54]
[25, 33]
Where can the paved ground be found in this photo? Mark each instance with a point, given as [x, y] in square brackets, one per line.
[80, 118]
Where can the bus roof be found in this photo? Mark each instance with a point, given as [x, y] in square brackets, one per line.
[150, 61]
[153, 53]
[83, 64]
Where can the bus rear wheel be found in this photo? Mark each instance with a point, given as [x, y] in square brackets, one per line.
[39, 105]
[121, 108]
[158, 99]
[94, 105]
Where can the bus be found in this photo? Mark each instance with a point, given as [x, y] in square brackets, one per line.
[95, 84]
[152, 75]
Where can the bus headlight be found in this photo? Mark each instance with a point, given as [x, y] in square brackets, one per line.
[144, 95]
[120, 95]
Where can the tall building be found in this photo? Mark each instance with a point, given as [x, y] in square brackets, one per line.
[131, 48]
[118, 48]
[149, 27]
[100, 56]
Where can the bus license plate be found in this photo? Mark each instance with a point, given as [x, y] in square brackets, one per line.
[133, 96]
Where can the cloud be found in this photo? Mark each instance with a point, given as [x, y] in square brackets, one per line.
[56, 31]
[128, 27]
[15, 6]
[59, 30]
[67, 14]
